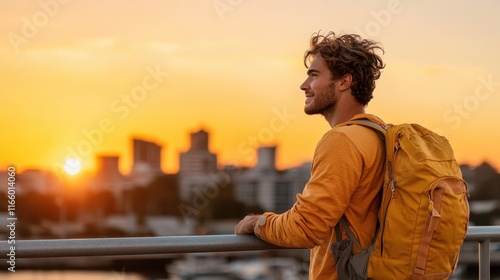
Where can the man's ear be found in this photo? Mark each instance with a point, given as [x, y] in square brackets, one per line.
[345, 82]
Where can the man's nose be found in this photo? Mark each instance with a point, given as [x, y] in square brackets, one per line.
[305, 85]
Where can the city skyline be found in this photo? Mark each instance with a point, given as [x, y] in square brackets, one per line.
[99, 165]
[157, 68]
[128, 170]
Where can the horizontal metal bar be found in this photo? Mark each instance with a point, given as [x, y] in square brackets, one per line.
[133, 246]
[482, 233]
[166, 245]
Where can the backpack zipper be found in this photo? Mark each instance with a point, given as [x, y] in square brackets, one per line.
[392, 186]
[394, 194]
[393, 183]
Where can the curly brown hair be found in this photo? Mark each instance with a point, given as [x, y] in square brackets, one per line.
[349, 54]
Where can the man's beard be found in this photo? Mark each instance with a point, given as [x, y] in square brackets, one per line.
[323, 100]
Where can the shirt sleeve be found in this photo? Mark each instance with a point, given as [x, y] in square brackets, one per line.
[335, 175]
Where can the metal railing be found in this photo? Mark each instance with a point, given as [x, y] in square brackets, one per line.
[193, 244]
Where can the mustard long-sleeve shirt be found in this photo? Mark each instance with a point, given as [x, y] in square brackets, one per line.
[346, 177]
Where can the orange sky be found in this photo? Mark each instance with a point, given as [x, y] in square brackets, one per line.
[86, 76]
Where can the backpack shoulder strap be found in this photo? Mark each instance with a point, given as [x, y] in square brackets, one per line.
[342, 222]
[381, 130]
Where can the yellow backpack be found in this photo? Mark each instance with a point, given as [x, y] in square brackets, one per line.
[424, 214]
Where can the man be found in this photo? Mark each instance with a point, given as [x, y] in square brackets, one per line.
[348, 163]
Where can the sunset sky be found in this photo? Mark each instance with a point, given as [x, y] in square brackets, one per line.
[85, 76]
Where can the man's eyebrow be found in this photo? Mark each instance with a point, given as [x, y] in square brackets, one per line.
[311, 71]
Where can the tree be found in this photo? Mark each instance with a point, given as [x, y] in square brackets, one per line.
[34, 207]
[488, 189]
[163, 196]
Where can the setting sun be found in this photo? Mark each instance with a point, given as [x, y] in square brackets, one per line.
[72, 166]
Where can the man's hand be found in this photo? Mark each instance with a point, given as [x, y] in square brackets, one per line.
[247, 225]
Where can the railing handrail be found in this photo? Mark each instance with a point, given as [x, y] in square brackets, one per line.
[482, 233]
[135, 246]
[170, 244]
[191, 244]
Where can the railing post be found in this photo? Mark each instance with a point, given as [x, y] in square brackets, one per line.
[484, 259]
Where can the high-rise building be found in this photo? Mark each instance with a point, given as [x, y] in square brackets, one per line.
[198, 160]
[265, 186]
[147, 153]
[109, 178]
[4, 180]
[196, 165]
[35, 180]
[256, 186]
[108, 165]
[266, 158]
[146, 161]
